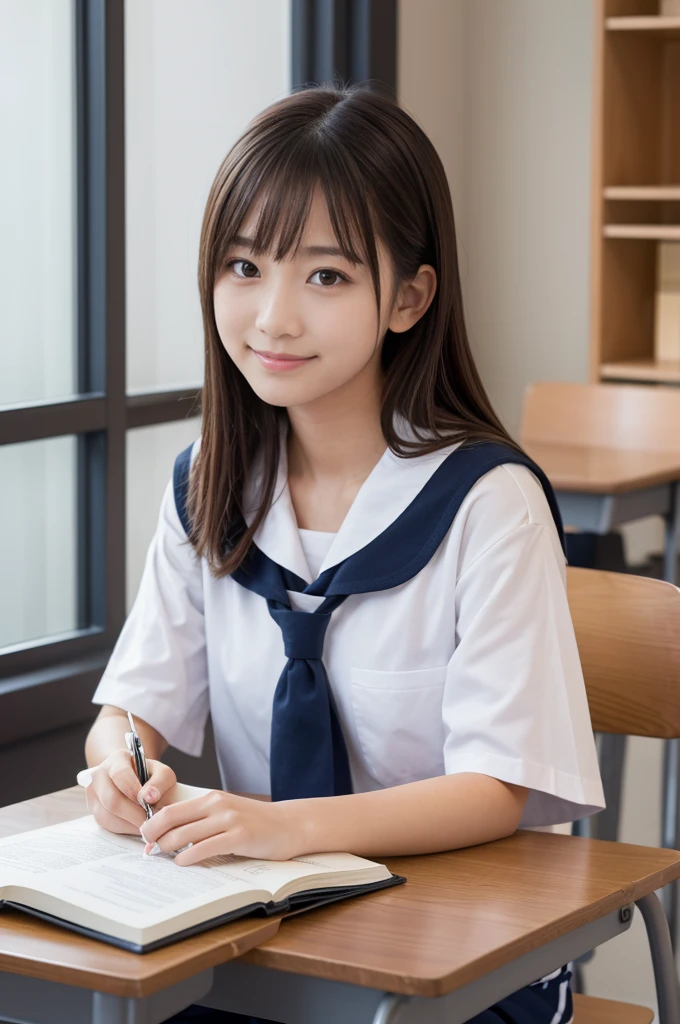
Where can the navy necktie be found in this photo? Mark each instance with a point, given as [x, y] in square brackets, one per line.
[308, 755]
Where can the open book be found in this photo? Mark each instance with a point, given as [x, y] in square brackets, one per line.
[99, 884]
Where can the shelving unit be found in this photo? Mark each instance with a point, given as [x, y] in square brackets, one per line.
[636, 183]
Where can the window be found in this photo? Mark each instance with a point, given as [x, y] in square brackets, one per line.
[100, 332]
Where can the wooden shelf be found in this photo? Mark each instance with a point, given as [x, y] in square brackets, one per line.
[660, 232]
[643, 193]
[643, 369]
[635, 187]
[656, 26]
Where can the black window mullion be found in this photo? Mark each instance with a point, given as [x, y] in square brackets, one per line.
[351, 40]
[114, 299]
[101, 336]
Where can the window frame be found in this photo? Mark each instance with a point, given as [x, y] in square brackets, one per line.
[354, 40]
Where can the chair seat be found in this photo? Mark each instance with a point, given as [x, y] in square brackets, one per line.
[592, 1010]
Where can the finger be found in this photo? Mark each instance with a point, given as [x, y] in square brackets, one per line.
[115, 802]
[161, 779]
[197, 831]
[173, 816]
[121, 773]
[215, 846]
[109, 821]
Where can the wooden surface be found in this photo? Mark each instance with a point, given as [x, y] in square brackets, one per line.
[641, 193]
[464, 913]
[602, 438]
[660, 232]
[667, 371]
[621, 417]
[667, 27]
[628, 633]
[593, 470]
[460, 915]
[32, 947]
[591, 1010]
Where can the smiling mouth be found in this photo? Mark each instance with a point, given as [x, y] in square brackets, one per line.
[281, 356]
[280, 360]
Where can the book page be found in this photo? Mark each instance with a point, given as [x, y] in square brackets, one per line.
[81, 863]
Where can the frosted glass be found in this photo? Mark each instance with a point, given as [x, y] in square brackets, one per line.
[151, 453]
[38, 543]
[37, 201]
[195, 74]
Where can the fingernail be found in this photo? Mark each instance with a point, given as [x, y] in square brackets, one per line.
[150, 795]
[151, 848]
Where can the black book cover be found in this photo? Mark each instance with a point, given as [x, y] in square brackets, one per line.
[295, 904]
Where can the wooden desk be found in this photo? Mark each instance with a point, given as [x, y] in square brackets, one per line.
[468, 928]
[590, 469]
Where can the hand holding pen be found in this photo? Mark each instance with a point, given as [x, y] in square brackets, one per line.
[113, 790]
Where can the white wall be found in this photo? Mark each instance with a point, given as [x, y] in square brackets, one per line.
[504, 89]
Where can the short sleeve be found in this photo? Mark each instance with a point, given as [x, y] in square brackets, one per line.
[158, 667]
[515, 704]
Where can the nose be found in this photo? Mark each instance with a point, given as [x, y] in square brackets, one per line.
[278, 314]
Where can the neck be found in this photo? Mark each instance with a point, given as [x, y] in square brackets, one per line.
[335, 438]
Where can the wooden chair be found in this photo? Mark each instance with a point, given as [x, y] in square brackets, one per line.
[628, 634]
[617, 416]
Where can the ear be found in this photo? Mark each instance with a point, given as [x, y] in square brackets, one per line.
[413, 299]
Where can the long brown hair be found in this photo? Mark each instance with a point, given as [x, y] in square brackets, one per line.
[380, 175]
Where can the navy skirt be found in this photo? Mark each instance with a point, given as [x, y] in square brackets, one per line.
[546, 1002]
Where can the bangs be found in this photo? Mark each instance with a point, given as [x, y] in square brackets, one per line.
[282, 187]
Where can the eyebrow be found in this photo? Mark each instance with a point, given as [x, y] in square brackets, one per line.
[308, 250]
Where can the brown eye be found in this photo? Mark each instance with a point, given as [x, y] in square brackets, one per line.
[331, 273]
[246, 263]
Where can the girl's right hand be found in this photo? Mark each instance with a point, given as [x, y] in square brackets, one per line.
[112, 796]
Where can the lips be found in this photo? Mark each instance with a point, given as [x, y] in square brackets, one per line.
[281, 360]
[281, 356]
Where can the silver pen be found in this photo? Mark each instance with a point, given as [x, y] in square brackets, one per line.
[136, 748]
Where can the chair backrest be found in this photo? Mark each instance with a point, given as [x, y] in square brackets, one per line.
[628, 634]
[629, 416]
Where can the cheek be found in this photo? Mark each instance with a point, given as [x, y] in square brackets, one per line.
[227, 321]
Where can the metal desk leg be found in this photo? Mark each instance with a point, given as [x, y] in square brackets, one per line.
[672, 536]
[670, 812]
[611, 756]
[663, 961]
[670, 828]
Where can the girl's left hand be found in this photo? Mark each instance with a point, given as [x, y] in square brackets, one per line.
[220, 823]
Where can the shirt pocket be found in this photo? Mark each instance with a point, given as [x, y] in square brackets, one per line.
[398, 721]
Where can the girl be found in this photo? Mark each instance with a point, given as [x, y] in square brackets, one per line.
[356, 571]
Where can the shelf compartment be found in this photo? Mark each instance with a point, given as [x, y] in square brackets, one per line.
[642, 370]
[658, 232]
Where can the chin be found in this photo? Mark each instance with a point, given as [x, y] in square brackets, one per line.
[285, 395]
